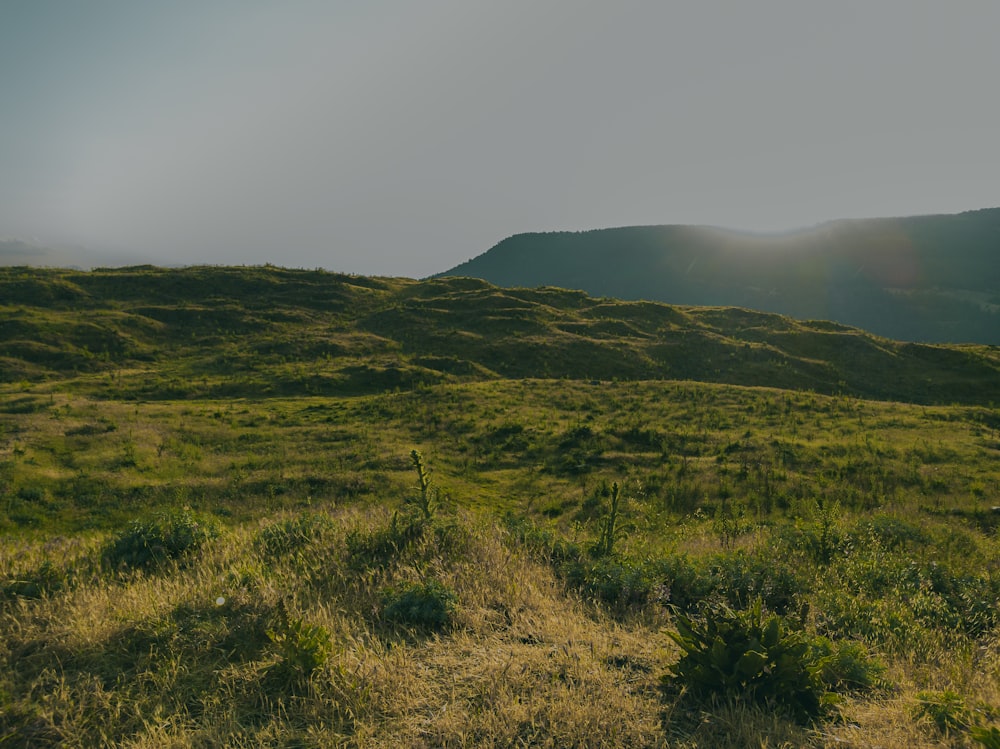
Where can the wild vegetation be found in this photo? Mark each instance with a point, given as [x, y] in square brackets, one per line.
[254, 536]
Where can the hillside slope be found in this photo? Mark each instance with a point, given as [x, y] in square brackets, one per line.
[224, 332]
[921, 278]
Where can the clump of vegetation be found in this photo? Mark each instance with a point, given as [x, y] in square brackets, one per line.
[866, 526]
[617, 582]
[302, 648]
[167, 536]
[987, 736]
[755, 655]
[426, 605]
[291, 535]
[382, 546]
[946, 710]
[45, 579]
[611, 528]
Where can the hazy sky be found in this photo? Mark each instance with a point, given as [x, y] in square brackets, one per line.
[402, 138]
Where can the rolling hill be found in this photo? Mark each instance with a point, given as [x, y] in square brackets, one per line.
[201, 332]
[265, 507]
[921, 278]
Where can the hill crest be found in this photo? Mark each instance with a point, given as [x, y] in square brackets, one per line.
[932, 278]
[207, 332]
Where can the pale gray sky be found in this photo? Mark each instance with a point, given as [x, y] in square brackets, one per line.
[402, 138]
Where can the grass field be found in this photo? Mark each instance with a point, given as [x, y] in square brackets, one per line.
[180, 568]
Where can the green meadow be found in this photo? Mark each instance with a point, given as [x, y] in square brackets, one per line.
[261, 507]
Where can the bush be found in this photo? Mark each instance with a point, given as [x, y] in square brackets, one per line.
[382, 546]
[740, 578]
[734, 579]
[541, 542]
[46, 579]
[427, 605]
[846, 666]
[292, 535]
[893, 534]
[616, 582]
[756, 656]
[681, 584]
[170, 535]
[889, 598]
[946, 710]
[302, 648]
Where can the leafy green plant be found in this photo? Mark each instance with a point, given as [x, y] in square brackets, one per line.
[988, 737]
[738, 578]
[729, 524]
[302, 648]
[748, 654]
[946, 710]
[427, 605]
[846, 666]
[169, 535]
[891, 532]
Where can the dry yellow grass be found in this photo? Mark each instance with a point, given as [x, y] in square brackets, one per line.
[135, 660]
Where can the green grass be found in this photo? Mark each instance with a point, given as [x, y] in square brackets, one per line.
[319, 606]
[153, 334]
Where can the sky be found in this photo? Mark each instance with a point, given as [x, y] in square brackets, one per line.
[402, 138]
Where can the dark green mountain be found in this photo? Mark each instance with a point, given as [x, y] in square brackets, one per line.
[208, 332]
[921, 278]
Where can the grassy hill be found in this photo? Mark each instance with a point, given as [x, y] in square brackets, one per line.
[919, 278]
[222, 332]
[214, 531]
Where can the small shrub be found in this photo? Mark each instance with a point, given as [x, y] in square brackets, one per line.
[616, 582]
[752, 655]
[31, 494]
[739, 578]
[946, 710]
[290, 536]
[846, 666]
[302, 648]
[729, 524]
[821, 539]
[891, 533]
[734, 579]
[988, 737]
[46, 579]
[681, 583]
[382, 546]
[170, 535]
[428, 605]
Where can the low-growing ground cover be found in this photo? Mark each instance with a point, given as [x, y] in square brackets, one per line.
[305, 601]
[240, 512]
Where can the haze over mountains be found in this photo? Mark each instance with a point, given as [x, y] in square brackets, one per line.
[921, 278]
[14, 251]
[932, 279]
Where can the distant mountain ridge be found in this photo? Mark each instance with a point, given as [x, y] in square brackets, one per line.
[920, 278]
